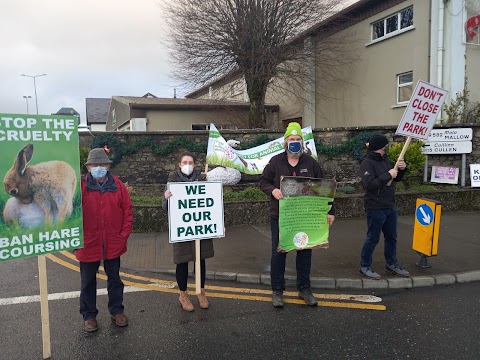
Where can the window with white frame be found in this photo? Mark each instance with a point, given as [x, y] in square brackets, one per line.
[404, 87]
[393, 24]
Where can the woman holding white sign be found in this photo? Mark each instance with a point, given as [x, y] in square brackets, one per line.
[184, 252]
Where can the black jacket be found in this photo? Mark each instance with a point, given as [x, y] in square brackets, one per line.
[278, 166]
[375, 176]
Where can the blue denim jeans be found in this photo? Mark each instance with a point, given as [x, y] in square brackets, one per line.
[277, 268]
[378, 221]
[88, 291]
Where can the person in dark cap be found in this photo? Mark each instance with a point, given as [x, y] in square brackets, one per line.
[107, 224]
[377, 172]
[293, 162]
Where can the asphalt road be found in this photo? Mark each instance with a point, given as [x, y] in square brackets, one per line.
[422, 323]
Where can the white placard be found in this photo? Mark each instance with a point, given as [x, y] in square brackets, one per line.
[422, 111]
[457, 134]
[195, 211]
[475, 175]
[447, 147]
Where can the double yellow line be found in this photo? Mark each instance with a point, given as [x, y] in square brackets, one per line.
[224, 292]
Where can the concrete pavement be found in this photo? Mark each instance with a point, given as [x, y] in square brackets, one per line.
[244, 255]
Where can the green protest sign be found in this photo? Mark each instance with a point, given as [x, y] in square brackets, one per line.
[303, 212]
[40, 202]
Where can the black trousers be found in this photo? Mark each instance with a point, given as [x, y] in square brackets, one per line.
[182, 274]
[88, 291]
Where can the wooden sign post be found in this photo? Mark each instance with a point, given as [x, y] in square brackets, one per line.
[198, 279]
[42, 278]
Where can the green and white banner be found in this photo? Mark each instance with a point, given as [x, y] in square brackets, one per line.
[254, 160]
[303, 212]
[195, 211]
[40, 204]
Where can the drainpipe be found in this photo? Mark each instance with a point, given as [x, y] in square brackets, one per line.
[441, 12]
[440, 49]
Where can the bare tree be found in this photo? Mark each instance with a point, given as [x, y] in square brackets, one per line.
[260, 39]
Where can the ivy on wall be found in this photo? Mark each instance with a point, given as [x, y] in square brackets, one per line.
[355, 145]
[119, 148]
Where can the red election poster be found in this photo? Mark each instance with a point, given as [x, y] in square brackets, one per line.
[422, 111]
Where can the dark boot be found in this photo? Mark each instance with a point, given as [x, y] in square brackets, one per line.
[90, 325]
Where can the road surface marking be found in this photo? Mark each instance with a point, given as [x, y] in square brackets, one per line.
[360, 298]
[156, 287]
[61, 296]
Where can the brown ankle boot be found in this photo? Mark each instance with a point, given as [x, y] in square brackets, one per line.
[202, 300]
[185, 302]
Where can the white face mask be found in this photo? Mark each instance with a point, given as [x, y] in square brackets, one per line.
[187, 169]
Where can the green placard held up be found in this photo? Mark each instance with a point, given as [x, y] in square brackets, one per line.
[303, 212]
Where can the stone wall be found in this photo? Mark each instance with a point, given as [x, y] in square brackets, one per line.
[149, 218]
[147, 172]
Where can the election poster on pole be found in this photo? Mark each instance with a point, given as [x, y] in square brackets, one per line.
[303, 212]
[420, 115]
[41, 202]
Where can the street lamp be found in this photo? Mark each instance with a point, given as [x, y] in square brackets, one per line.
[35, 86]
[26, 99]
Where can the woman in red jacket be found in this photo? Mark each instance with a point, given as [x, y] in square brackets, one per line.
[107, 224]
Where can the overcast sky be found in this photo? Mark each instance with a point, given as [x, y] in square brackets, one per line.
[87, 48]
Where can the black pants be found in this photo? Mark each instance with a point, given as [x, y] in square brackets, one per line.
[182, 274]
[277, 267]
[88, 292]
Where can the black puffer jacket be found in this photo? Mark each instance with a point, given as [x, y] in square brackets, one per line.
[375, 176]
[278, 166]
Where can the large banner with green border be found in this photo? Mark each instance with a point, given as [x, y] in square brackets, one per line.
[303, 212]
[254, 160]
[40, 204]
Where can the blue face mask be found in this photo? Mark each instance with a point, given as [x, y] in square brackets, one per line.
[295, 147]
[98, 172]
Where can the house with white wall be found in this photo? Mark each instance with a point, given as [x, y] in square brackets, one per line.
[397, 43]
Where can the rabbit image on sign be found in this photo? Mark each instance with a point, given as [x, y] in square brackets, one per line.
[50, 184]
[26, 215]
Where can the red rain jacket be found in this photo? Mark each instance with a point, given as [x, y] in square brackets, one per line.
[107, 219]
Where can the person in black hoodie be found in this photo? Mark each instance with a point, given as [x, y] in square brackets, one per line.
[292, 162]
[377, 174]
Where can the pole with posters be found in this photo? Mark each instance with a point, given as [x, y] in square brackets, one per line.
[195, 213]
[420, 115]
[39, 214]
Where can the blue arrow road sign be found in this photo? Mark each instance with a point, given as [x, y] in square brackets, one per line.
[424, 214]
